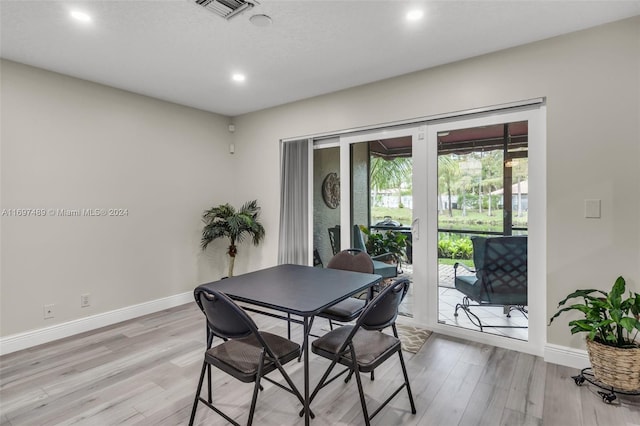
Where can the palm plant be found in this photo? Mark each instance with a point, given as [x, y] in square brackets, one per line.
[448, 172]
[390, 174]
[224, 221]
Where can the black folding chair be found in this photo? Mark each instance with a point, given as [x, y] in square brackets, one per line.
[246, 353]
[346, 310]
[363, 347]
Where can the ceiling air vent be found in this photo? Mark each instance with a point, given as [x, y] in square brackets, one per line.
[225, 8]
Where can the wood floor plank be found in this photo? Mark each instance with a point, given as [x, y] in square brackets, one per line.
[486, 406]
[526, 393]
[562, 404]
[513, 417]
[454, 395]
[144, 372]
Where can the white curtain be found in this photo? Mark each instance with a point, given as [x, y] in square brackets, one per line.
[293, 243]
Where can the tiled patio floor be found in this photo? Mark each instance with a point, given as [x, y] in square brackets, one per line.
[449, 297]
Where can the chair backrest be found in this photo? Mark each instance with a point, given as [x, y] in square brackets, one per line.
[358, 239]
[352, 260]
[503, 270]
[317, 260]
[334, 238]
[479, 244]
[382, 311]
[225, 318]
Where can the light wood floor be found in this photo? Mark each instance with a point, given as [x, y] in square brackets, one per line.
[144, 372]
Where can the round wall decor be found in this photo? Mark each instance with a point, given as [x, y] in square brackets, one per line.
[331, 190]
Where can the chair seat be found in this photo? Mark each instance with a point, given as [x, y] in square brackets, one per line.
[468, 285]
[241, 357]
[372, 347]
[471, 287]
[387, 270]
[344, 311]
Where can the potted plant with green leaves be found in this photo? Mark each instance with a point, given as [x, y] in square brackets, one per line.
[612, 324]
[390, 243]
[224, 221]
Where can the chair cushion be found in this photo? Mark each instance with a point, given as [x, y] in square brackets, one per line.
[468, 285]
[240, 357]
[344, 311]
[387, 270]
[372, 348]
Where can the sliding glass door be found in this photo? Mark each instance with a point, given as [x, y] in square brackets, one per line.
[439, 185]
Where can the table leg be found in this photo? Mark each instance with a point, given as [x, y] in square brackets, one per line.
[305, 344]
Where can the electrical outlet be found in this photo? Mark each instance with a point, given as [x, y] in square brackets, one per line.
[48, 311]
[85, 300]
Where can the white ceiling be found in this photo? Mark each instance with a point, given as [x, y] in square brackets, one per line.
[177, 51]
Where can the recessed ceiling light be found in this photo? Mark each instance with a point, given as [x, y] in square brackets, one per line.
[415, 15]
[238, 77]
[80, 16]
[260, 20]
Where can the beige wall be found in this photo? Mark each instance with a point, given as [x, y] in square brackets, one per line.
[67, 143]
[591, 80]
[71, 144]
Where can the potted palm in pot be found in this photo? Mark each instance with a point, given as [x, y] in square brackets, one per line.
[612, 325]
[224, 221]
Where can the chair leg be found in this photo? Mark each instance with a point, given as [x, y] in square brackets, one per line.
[209, 394]
[346, 379]
[293, 387]
[506, 310]
[256, 388]
[406, 382]
[363, 403]
[321, 383]
[197, 399]
[465, 309]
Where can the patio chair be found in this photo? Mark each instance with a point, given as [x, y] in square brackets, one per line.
[363, 347]
[380, 265]
[500, 277]
[246, 353]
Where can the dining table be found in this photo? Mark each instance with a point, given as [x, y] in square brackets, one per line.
[301, 292]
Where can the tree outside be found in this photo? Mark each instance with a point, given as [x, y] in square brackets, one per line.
[470, 196]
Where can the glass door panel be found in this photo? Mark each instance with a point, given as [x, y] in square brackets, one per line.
[381, 172]
[483, 193]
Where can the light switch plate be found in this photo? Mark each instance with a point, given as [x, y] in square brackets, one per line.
[592, 209]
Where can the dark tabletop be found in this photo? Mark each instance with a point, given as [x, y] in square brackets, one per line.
[296, 289]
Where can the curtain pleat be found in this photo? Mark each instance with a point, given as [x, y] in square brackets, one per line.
[293, 243]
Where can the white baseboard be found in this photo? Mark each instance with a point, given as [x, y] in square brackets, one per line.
[569, 357]
[17, 342]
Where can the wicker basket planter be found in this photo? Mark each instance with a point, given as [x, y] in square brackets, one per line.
[616, 367]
